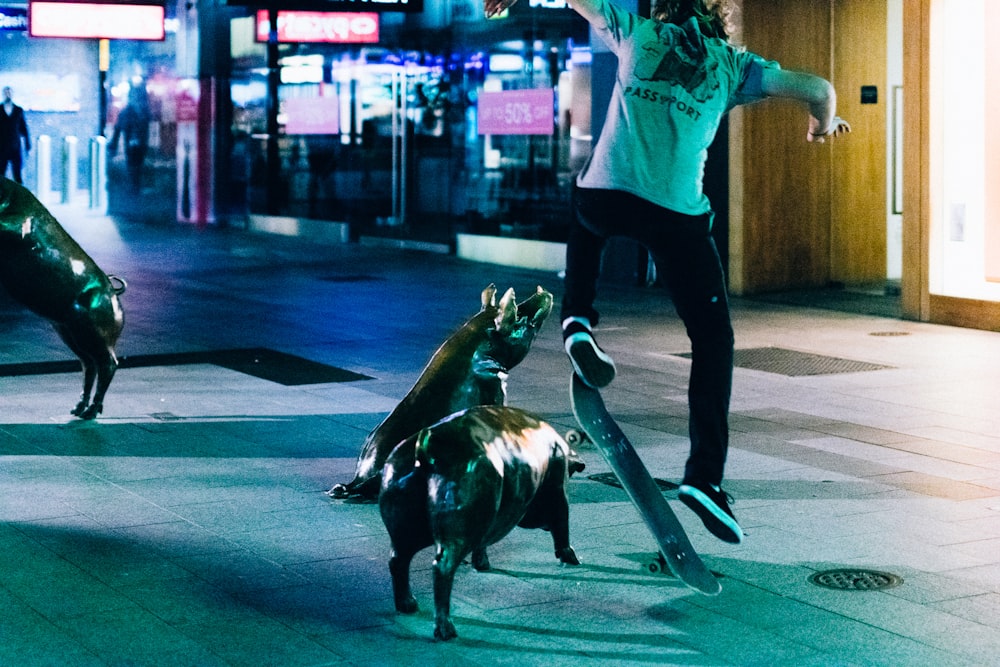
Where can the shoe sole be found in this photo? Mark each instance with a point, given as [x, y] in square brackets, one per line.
[588, 364]
[723, 527]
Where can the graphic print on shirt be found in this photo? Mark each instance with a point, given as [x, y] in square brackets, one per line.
[678, 60]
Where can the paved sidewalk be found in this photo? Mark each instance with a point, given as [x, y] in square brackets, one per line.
[188, 525]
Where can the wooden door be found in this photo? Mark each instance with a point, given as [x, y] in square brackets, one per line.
[807, 215]
[779, 183]
[858, 213]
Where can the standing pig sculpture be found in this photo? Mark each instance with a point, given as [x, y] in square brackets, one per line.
[469, 369]
[462, 485]
[43, 268]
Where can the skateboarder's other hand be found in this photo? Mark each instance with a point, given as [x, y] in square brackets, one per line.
[494, 7]
[837, 127]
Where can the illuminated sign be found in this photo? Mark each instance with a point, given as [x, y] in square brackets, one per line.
[312, 115]
[528, 111]
[13, 19]
[336, 5]
[326, 27]
[95, 20]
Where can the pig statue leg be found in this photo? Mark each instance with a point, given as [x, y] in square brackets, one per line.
[460, 518]
[405, 518]
[559, 526]
[402, 594]
[89, 376]
[92, 334]
[409, 532]
[480, 559]
[549, 510]
[445, 564]
[99, 365]
[107, 365]
[408, 537]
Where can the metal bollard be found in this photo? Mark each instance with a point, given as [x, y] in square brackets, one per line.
[98, 171]
[69, 169]
[43, 168]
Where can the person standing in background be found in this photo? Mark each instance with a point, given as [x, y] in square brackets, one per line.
[13, 129]
[132, 127]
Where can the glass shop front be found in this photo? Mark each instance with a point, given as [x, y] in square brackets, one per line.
[477, 128]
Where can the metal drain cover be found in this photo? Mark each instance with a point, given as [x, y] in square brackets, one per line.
[794, 363]
[855, 580]
[610, 479]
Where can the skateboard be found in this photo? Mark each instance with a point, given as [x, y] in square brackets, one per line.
[676, 552]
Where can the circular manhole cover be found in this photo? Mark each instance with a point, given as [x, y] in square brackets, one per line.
[855, 580]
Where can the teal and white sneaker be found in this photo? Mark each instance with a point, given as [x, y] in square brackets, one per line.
[590, 362]
[711, 504]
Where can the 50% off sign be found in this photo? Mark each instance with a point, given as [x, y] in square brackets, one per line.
[516, 112]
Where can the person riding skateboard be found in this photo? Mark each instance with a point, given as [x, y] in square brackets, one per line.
[677, 76]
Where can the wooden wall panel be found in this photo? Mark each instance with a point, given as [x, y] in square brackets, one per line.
[783, 199]
[916, 147]
[858, 206]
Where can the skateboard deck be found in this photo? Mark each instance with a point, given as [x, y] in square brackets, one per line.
[676, 551]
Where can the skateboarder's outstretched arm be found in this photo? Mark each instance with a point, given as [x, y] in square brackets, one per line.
[815, 91]
[588, 9]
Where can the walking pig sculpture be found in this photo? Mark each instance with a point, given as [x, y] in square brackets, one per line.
[470, 368]
[44, 269]
[462, 485]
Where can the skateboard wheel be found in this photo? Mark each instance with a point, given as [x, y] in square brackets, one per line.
[653, 567]
[573, 437]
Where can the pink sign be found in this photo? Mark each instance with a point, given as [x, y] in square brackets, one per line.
[312, 115]
[322, 27]
[516, 112]
[96, 20]
[187, 107]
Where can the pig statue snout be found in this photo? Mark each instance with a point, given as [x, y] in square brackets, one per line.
[44, 269]
[462, 485]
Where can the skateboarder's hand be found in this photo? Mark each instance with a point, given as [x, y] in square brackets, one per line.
[837, 127]
[494, 7]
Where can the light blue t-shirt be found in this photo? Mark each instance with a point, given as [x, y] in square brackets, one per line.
[672, 87]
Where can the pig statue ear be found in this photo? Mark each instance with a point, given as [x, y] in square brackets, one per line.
[507, 315]
[545, 302]
[489, 296]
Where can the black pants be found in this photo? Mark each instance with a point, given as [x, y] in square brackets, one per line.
[14, 159]
[135, 157]
[688, 263]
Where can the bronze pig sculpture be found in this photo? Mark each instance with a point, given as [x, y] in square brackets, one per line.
[43, 268]
[470, 368]
[462, 485]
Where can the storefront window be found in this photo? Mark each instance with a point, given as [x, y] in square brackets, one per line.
[386, 139]
[965, 151]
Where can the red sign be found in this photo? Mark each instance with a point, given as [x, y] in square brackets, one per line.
[327, 27]
[95, 20]
[528, 111]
